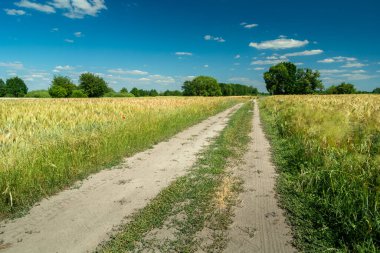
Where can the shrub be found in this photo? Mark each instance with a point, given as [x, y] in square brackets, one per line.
[118, 94]
[16, 87]
[79, 94]
[38, 94]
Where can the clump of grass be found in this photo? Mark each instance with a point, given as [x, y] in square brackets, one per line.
[46, 145]
[203, 198]
[327, 149]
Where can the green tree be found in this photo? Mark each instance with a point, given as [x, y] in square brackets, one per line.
[3, 88]
[202, 86]
[135, 92]
[16, 87]
[376, 91]
[123, 90]
[285, 78]
[93, 85]
[153, 93]
[226, 89]
[63, 82]
[343, 88]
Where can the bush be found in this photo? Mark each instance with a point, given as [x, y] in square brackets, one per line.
[57, 91]
[16, 87]
[63, 82]
[3, 88]
[38, 94]
[79, 94]
[93, 85]
[118, 95]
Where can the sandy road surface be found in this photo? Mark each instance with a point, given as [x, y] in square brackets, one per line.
[77, 220]
[259, 224]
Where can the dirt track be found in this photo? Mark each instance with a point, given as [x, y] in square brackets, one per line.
[77, 220]
[259, 224]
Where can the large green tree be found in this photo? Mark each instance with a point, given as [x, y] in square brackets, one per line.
[285, 78]
[93, 85]
[61, 86]
[16, 87]
[3, 88]
[376, 91]
[202, 86]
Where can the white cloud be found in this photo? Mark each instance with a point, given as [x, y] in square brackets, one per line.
[331, 71]
[160, 79]
[35, 6]
[183, 53]
[259, 68]
[127, 72]
[250, 26]
[218, 39]
[14, 12]
[12, 65]
[279, 44]
[78, 34]
[79, 8]
[360, 71]
[60, 68]
[205, 66]
[338, 59]
[356, 77]
[237, 56]
[328, 60]
[69, 41]
[268, 62]
[378, 71]
[305, 53]
[55, 29]
[298, 63]
[353, 65]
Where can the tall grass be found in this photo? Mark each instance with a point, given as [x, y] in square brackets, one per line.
[46, 145]
[328, 152]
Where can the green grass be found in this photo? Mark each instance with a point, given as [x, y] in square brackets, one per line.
[328, 192]
[193, 198]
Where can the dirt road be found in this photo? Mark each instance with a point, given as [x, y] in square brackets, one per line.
[77, 220]
[259, 224]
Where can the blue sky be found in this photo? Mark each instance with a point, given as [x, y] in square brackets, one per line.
[160, 44]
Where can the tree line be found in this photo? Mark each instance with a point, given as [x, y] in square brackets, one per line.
[285, 79]
[91, 85]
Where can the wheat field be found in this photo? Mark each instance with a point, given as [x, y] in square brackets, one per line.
[46, 145]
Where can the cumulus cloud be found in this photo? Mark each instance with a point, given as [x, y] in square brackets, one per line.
[14, 12]
[35, 6]
[218, 39]
[260, 68]
[205, 66]
[279, 44]
[237, 56]
[183, 53]
[69, 41]
[12, 65]
[355, 76]
[304, 53]
[127, 72]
